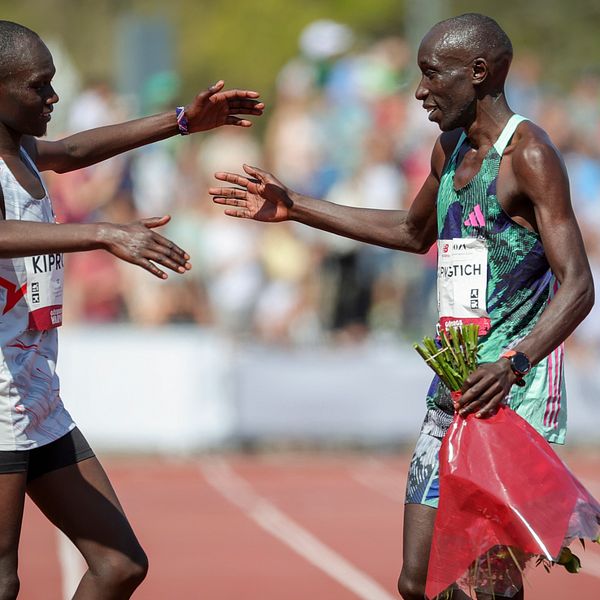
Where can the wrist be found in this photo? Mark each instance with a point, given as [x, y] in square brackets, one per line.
[182, 121]
[102, 235]
[519, 364]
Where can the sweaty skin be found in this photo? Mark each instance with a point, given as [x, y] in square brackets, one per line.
[77, 497]
[27, 100]
[533, 189]
[463, 70]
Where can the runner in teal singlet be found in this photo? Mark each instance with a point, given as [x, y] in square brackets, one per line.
[510, 254]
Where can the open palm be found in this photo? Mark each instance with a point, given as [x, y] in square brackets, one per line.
[258, 195]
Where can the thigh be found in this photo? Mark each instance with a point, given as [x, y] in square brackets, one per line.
[80, 500]
[13, 475]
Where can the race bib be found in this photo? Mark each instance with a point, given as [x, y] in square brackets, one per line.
[44, 293]
[462, 283]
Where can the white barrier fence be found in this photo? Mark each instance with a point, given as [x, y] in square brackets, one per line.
[182, 389]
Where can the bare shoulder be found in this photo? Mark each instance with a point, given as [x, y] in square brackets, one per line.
[533, 152]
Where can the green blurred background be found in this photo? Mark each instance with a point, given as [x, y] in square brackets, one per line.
[247, 43]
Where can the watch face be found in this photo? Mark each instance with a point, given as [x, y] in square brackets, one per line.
[520, 363]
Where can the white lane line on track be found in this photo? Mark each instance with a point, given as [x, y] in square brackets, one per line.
[381, 479]
[267, 516]
[72, 565]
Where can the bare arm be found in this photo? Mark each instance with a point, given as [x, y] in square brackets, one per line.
[136, 243]
[260, 196]
[211, 108]
[541, 177]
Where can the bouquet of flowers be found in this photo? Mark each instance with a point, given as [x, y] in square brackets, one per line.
[493, 518]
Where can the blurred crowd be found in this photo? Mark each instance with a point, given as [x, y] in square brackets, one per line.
[344, 126]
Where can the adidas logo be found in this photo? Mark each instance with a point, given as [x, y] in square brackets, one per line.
[476, 218]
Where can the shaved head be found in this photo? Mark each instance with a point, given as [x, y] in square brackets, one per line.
[476, 35]
[16, 42]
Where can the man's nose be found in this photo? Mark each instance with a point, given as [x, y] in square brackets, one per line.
[421, 91]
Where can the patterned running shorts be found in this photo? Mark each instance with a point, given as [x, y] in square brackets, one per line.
[423, 484]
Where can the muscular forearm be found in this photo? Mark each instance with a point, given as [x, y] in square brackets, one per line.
[573, 301]
[388, 228]
[24, 238]
[95, 145]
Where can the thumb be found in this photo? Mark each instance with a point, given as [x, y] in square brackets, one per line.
[153, 222]
[212, 90]
[217, 87]
[255, 172]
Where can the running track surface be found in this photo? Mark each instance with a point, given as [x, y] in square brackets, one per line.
[269, 527]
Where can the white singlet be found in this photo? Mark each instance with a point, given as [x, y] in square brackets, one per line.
[31, 411]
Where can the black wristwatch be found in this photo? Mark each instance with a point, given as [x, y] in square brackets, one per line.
[519, 363]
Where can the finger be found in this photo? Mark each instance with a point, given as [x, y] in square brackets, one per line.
[258, 174]
[232, 178]
[473, 406]
[231, 120]
[245, 103]
[156, 255]
[481, 397]
[153, 222]
[474, 394]
[171, 247]
[151, 268]
[490, 408]
[257, 112]
[228, 192]
[210, 91]
[239, 213]
[235, 93]
[216, 87]
[230, 201]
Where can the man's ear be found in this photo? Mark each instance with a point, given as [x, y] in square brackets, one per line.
[480, 71]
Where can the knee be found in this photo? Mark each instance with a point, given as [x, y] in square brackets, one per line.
[411, 587]
[123, 572]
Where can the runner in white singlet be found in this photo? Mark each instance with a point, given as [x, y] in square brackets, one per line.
[42, 453]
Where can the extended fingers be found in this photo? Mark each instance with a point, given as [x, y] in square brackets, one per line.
[235, 93]
[171, 249]
[159, 254]
[232, 178]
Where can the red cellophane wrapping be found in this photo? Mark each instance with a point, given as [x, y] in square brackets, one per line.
[505, 497]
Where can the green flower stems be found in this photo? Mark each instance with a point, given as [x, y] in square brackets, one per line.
[456, 356]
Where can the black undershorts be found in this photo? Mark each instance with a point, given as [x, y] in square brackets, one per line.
[63, 452]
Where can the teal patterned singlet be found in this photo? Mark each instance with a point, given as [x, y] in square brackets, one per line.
[517, 288]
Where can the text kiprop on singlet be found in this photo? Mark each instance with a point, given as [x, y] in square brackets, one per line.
[462, 283]
[44, 293]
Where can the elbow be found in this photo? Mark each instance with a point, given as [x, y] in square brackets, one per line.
[588, 297]
[422, 247]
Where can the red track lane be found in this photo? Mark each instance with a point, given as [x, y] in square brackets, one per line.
[201, 546]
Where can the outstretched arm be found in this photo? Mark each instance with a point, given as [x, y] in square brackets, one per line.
[541, 176]
[209, 109]
[136, 243]
[260, 196]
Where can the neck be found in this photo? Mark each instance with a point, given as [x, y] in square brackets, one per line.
[10, 140]
[491, 115]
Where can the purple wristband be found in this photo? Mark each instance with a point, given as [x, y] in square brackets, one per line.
[182, 122]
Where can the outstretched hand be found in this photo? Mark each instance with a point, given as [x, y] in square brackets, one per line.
[214, 107]
[138, 244]
[259, 196]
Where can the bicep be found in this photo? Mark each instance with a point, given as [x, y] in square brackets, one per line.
[542, 178]
[46, 155]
